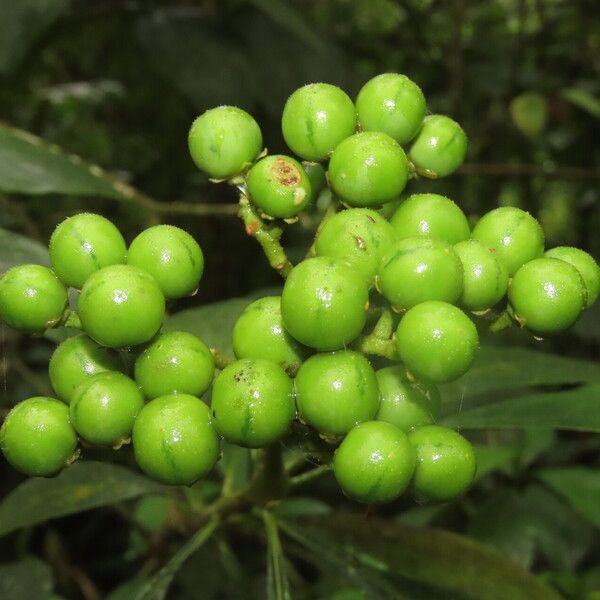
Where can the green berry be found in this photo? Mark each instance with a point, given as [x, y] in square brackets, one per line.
[513, 234]
[172, 256]
[418, 269]
[253, 402]
[485, 278]
[104, 408]
[359, 236]
[324, 303]
[75, 360]
[439, 148]
[259, 333]
[83, 244]
[37, 438]
[406, 403]
[121, 306]
[436, 341]
[224, 141]
[175, 363]
[430, 215]
[368, 169]
[317, 176]
[374, 463]
[335, 391]
[279, 186]
[316, 118]
[32, 298]
[174, 440]
[446, 463]
[547, 295]
[586, 265]
[393, 104]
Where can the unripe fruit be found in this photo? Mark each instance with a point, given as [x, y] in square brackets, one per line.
[83, 244]
[317, 176]
[32, 298]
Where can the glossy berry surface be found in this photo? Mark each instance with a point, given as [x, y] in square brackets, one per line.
[279, 186]
[336, 391]
[176, 362]
[430, 215]
[374, 463]
[514, 235]
[323, 303]
[83, 244]
[104, 408]
[37, 438]
[174, 440]
[317, 176]
[586, 265]
[547, 295]
[172, 256]
[316, 118]
[393, 104]
[223, 141]
[485, 278]
[368, 169]
[121, 306]
[359, 236]
[253, 402]
[32, 298]
[75, 360]
[418, 269]
[446, 463]
[436, 341]
[406, 403]
[439, 148]
[259, 333]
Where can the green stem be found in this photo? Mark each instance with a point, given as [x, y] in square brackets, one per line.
[309, 475]
[221, 361]
[71, 319]
[270, 481]
[379, 342]
[504, 321]
[385, 324]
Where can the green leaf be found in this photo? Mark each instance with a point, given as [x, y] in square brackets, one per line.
[575, 409]
[28, 165]
[16, 249]
[277, 584]
[26, 579]
[22, 24]
[83, 486]
[583, 99]
[580, 486]
[494, 458]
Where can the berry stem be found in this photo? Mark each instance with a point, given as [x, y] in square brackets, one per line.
[308, 476]
[71, 319]
[221, 361]
[385, 324]
[504, 321]
[379, 342]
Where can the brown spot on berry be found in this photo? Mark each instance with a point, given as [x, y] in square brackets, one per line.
[285, 173]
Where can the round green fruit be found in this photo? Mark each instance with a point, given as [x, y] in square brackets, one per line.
[586, 265]
[547, 295]
[485, 278]
[439, 148]
[104, 408]
[324, 303]
[175, 363]
[172, 256]
[121, 306]
[316, 118]
[253, 402]
[430, 215]
[32, 298]
[259, 333]
[374, 463]
[336, 391]
[317, 176]
[436, 341]
[75, 360]
[279, 186]
[359, 236]
[513, 234]
[446, 463]
[83, 244]
[406, 403]
[37, 438]
[393, 104]
[368, 169]
[174, 440]
[224, 141]
[418, 269]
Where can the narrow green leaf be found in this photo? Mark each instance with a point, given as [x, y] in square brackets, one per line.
[277, 583]
[494, 458]
[26, 579]
[295, 506]
[83, 486]
[16, 249]
[583, 99]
